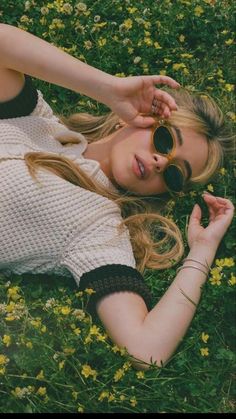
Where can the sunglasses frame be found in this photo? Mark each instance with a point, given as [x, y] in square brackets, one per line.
[169, 155]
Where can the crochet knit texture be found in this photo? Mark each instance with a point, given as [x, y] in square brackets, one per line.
[53, 226]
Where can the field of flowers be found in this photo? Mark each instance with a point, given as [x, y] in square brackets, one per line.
[53, 358]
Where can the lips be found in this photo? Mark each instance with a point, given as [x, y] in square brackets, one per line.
[139, 168]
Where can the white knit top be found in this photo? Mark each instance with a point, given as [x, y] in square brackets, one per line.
[54, 226]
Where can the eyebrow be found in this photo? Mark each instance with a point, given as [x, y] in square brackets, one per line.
[180, 142]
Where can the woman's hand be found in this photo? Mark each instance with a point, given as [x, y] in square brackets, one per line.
[131, 97]
[221, 213]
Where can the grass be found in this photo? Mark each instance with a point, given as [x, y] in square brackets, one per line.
[78, 369]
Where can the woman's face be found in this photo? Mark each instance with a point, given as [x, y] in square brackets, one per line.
[133, 148]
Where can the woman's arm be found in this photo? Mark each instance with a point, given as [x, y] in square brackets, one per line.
[129, 97]
[154, 336]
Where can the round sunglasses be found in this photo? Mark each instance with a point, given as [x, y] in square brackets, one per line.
[165, 144]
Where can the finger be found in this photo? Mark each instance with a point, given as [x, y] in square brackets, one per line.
[166, 98]
[213, 206]
[195, 217]
[217, 202]
[143, 121]
[224, 201]
[166, 113]
[165, 80]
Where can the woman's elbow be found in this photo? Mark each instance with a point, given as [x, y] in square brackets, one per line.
[143, 357]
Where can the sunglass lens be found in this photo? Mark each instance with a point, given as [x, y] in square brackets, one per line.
[173, 178]
[163, 140]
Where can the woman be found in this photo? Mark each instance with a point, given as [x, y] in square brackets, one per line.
[62, 206]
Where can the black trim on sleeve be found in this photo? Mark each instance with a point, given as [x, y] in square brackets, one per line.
[21, 105]
[114, 278]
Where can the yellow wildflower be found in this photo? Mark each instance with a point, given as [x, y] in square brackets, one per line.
[13, 293]
[133, 401]
[69, 351]
[101, 338]
[223, 171]
[44, 10]
[232, 116]
[232, 280]
[103, 395]
[229, 87]
[40, 375]
[204, 351]
[75, 395]
[77, 331]
[3, 359]
[181, 38]
[198, 11]
[119, 374]
[88, 44]
[36, 322]
[89, 291]
[216, 277]
[229, 41]
[111, 397]
[94, 330]
[178, 66]
[6, 340]
[185, 55]
[87, 371]
[157, 45]
[81, 7]
[132, 10]
[22, 392]
[80, 408]
[147, 40]
[29, 345]
[87, 339]
[210, 187]
[102, 42]
[140, 375]
[204, 337]
[229, 262]
[65, 310]
[61, 365]
[127, 24]
[42, 391]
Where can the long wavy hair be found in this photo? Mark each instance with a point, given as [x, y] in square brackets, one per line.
[156, 240]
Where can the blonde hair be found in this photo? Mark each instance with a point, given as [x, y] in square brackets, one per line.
[156, 240]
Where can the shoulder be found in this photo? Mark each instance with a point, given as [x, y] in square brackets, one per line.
[23, 103]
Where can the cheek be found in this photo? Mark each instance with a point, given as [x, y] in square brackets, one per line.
[119, 168]
[156, 186]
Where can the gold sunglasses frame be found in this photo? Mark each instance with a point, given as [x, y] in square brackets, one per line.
[169, 155]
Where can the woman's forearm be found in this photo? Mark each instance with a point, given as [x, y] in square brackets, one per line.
[26, 53]
[166, 324]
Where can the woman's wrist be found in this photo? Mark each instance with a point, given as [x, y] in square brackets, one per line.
[203, 253]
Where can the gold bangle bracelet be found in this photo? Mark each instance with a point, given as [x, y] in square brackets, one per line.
[200, 263]
[191, 266]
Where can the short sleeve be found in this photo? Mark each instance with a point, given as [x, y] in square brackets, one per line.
[102, 259]
[114, 278]
[21, 105]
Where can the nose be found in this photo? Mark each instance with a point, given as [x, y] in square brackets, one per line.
[160, 162]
